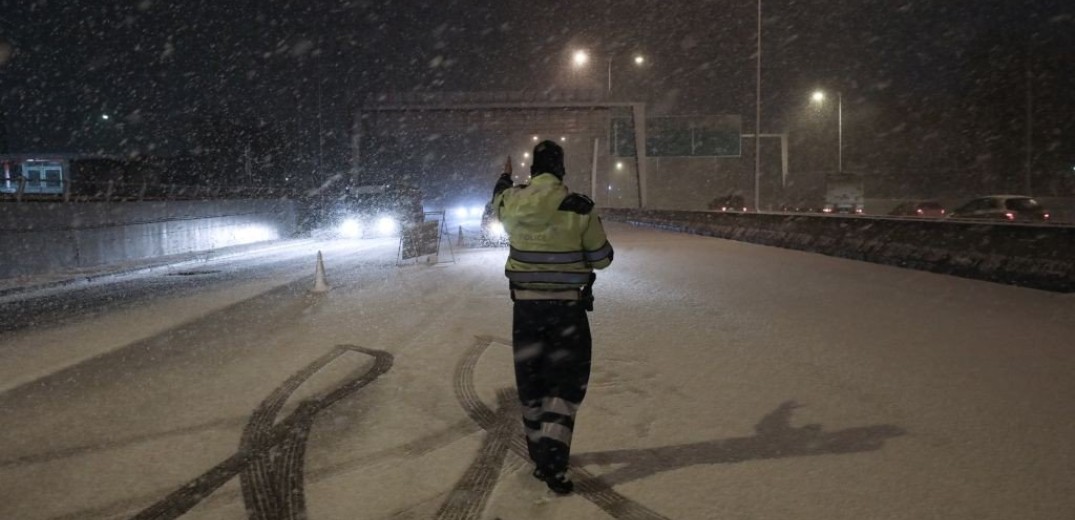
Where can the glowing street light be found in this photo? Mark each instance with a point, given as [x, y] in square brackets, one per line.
[819, 97]
[581, 58]
[105, 117]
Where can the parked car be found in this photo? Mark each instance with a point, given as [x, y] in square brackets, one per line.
[728, 203]
[1012, 208]
[924, 208]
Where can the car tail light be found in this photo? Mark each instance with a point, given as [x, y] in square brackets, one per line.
[919, 211]
[942, 212]
[1045, 216]
[858, 210]
[1009, 215]
[826, 210]
[745, 208]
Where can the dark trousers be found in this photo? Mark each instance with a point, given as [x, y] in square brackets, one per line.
[552, 348]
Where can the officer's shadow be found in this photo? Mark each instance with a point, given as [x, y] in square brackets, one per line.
[774, 438]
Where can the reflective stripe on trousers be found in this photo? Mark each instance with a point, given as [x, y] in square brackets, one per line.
[552, 350]
[553, 419]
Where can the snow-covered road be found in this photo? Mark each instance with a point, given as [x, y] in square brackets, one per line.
[730, 381]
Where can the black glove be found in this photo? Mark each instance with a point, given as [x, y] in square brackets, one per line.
[503, 183]
[587, 298]
[587, 293]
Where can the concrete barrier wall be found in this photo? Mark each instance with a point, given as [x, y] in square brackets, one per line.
[1041, 257]
[38, 238]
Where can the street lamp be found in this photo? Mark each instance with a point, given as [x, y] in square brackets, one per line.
[819, 97]
[581, 57]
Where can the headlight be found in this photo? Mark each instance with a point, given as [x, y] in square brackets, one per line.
[350, 228]
[386, 225]
[496, 229]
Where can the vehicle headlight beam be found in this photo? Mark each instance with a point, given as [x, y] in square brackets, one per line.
[350, 228]
[387, 225]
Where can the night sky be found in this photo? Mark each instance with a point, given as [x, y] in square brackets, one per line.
[949, 76]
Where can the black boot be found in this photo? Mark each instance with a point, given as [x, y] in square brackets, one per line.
[538, 474]
[559, 484]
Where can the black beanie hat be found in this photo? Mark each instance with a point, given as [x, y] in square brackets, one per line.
[548, 158]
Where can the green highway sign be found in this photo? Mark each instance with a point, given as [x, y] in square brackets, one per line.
[679, 136]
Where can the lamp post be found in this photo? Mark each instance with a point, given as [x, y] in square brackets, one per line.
[581, 58]
[819, 97]
[757, 117]
[8, 48]
[638, 59]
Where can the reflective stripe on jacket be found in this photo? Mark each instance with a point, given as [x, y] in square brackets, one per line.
[551, 248]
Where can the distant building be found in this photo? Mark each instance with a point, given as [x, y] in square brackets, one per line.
[34, 173]
[51, 175]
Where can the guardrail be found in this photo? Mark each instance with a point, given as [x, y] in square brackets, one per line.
[1035, 256]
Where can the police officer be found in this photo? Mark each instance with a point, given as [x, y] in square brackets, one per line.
[556, 242]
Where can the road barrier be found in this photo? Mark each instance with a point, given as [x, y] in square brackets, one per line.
[50, 237]
[1035, 256]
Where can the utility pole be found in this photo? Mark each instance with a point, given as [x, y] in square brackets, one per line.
[839, 132]
[1028, 184]
[320, 128]
[757, 121]
[8, 49]
[3, 130]
[609, 75]
[320, 139]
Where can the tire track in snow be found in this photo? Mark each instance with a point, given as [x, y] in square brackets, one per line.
[587, 485]
[270, 456]
[468, 498]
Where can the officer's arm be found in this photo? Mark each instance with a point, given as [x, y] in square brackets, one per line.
[504, 182]
[501, 188]
[595, 243]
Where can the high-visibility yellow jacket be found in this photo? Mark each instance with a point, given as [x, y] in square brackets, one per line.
[556, 237]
